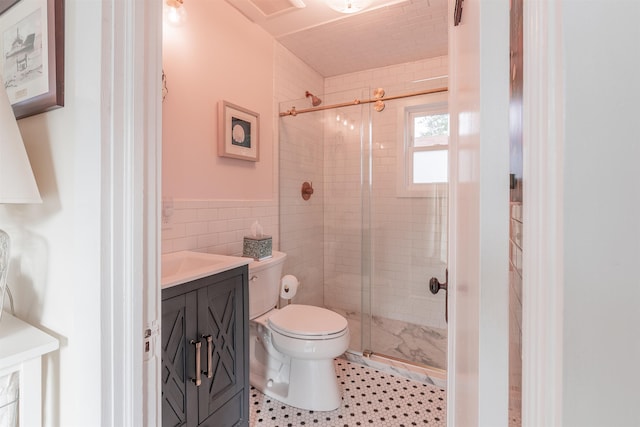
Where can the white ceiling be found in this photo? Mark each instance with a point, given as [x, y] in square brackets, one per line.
[387, 33]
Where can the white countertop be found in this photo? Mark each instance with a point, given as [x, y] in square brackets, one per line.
[185, 266]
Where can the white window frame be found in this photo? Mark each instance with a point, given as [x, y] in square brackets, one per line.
[431, 104]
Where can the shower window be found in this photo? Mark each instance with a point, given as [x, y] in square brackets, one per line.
[424, 156]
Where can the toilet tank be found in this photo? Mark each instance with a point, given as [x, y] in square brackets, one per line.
[264, 284]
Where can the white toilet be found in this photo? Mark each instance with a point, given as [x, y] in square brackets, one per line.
[292, 348]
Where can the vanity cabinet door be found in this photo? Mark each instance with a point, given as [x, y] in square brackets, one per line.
[213, 311]
[178, 393]
[223, 396]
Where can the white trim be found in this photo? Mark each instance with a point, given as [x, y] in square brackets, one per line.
[452, 323]
[542, 213]
[452, 378]
[479, 204]
[493, 219]
[131, 52]
[152, 46]
[433, 102]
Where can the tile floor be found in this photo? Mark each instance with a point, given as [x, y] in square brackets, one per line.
[370, 398]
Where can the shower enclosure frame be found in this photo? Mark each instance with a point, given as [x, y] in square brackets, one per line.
[376, 104]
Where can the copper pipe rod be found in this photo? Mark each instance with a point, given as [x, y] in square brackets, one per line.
[294, 112]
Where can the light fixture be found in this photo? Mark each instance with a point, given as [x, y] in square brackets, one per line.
[17, 183]
[175, 12]
[348, 6]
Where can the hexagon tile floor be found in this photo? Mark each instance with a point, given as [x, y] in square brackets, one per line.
[370, 398]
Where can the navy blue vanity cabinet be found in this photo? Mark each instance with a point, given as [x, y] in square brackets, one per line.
[205, 363]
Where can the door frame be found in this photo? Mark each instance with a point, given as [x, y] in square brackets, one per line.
[543, 142]
[132, 51]
[543, 147]
[478, 380]
[131, 187]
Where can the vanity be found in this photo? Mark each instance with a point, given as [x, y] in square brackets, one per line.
[205, 364]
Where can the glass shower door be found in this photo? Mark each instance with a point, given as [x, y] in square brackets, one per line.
[363, 245]
[322, 236]
[405, 243]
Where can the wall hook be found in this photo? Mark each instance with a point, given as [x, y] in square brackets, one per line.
[307, 190]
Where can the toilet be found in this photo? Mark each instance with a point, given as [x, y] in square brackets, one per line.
[292, 348]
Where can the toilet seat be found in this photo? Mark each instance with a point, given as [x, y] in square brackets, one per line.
[308, 322]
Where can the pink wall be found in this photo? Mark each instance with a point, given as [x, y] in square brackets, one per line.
[216, 55]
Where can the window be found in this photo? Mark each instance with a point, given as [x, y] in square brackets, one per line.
[425, 148]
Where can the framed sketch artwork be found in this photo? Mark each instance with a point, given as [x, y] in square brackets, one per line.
[238, 130]
[32, 60]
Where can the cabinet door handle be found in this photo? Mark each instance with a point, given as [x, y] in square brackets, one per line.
[198, 379]
[209, 339]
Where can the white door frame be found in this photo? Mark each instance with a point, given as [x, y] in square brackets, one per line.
[131, 171]
[478, 380]
[543, 216]
[132, 52]
[543, 146]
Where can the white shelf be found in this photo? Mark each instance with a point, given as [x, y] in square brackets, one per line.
[21, 349]
[19, 341]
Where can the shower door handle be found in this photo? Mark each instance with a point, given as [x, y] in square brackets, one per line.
[435, 286]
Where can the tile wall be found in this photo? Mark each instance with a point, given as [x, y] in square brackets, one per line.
[346, 131]
[301, 160]
[216, 226]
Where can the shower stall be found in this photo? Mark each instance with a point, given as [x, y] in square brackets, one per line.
[366, 240]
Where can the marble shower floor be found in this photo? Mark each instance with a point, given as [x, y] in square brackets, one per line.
[414, 343]
[370, 397]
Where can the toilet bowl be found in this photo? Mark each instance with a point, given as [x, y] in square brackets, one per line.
[292, 348]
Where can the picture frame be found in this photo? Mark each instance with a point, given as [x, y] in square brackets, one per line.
[238, 132]
[32, 60]
[6, 4]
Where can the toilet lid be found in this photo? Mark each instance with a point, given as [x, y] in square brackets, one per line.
[307, 320]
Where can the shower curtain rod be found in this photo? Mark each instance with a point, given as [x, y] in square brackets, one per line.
[294, 112]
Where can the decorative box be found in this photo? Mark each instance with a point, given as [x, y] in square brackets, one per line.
[258, 248]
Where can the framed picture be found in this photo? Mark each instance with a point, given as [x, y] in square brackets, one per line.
[238, 130]
[6, 4]
[32, 60]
